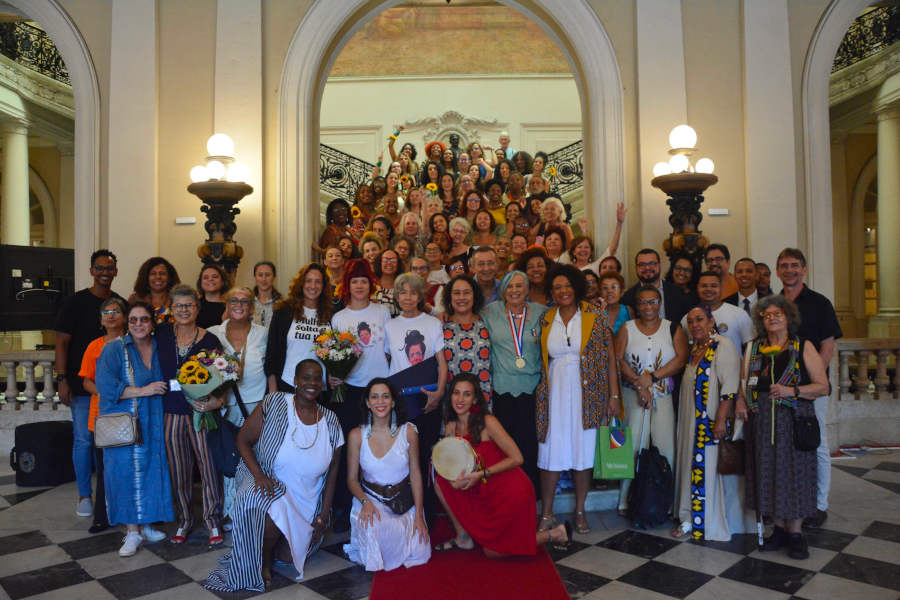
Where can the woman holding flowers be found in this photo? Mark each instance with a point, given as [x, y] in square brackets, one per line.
[285, 482]
[136, 478]
[247, 341]
[177, 343]
[782, 376]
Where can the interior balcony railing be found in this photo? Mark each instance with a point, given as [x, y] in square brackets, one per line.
[869, 34]
[31, 47]
[341, 173]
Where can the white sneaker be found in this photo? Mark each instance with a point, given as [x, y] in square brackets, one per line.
[130, 544]
[85, 508]
[152, 535]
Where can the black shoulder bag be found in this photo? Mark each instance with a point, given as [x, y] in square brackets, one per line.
[222, 441]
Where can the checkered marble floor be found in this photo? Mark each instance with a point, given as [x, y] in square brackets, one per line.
[46, 552]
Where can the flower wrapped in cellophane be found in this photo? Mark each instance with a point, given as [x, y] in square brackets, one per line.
[338, 351]
[203, 374]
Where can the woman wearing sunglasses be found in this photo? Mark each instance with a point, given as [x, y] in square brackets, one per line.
[136, 477]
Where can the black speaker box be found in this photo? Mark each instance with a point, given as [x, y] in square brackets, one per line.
[42, 455]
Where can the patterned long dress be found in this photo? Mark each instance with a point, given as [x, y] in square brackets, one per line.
[467, 349]
[242, 568]
[136, 478]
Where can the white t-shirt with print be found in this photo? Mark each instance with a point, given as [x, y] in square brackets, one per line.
[406, 338]
[300, 339]
[368, 325]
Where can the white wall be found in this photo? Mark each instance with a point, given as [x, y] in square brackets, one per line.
[541, 112]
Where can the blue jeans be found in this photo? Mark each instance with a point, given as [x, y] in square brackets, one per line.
[82, 448]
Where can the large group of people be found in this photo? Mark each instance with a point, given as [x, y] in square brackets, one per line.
[466, 263]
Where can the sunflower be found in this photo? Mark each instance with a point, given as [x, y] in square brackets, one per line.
[431, 187]
[355, 212]
[552, 171]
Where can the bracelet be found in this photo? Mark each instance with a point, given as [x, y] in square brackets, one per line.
[396, 133]
[653, 377]
[614, 397]
[364, 501]
[392, 137]
[487, 473]
[378, 164]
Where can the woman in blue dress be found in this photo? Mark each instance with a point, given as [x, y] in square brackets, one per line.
[129, 379]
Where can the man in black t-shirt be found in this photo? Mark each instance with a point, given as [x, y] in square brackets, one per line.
[77, 325]
[819, 325]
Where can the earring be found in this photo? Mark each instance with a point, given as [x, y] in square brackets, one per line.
[393, 422]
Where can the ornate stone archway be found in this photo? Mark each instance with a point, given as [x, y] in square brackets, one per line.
[328, 25]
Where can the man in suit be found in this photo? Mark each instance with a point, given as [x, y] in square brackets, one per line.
[675, 303]
[747, 295]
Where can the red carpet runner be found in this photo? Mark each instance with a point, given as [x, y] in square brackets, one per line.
[471, 575]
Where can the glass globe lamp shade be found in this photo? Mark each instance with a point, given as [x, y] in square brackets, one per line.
[661, 168]
[237, 172]
[704, 165]
[215, 170]
[199, 174]
[683, 136]
[220, 144]
[679, 163]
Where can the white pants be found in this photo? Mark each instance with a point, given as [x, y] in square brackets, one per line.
[823, 456]
[660, 423]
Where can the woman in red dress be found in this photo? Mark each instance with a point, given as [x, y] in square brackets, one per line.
[495, 504]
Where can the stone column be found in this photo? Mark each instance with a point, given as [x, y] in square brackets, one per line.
[887, 322]
[16, 221]
[66, 235]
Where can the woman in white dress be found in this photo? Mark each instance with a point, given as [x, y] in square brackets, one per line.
[290, 448]
[387, 523]
[578, 392]
[241, 337]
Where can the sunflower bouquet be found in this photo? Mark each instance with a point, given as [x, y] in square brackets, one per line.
[338, 351]
[203, 374]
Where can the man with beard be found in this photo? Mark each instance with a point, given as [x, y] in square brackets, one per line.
[77, 325]
[731, 321]
[675, 303]
[747, 295]
[718, 260]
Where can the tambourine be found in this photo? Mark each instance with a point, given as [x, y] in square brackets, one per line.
[452, 456]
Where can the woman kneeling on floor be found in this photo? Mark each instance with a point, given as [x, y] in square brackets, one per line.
[290, 447]
[495, 504]
[387, 523]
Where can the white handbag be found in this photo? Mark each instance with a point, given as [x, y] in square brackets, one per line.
[118, 429]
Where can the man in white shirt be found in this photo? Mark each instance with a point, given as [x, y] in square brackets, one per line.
[746, 276]
[731, 321]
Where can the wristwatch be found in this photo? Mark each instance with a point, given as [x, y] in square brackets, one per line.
[653, 377]
[60, 377]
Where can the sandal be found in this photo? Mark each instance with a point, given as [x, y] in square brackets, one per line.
[581, 523]
[181, 535]
[215, 538]
[682, 530]
[547, 523]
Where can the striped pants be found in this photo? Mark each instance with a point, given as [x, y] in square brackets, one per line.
[183, 447]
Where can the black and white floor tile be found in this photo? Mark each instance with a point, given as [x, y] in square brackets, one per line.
[46, 553]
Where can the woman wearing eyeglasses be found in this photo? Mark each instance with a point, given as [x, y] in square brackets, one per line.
[241, 337]
[112, 319]
[136, 477]
[650, 351]
[177, 342]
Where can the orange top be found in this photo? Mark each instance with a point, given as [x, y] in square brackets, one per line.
[88, 371]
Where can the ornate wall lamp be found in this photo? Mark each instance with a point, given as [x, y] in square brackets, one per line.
[220, 184]
[684, 183]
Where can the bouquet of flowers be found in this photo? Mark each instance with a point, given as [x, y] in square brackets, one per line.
[338, 351]
[203, 374]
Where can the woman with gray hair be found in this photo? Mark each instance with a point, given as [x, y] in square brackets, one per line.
[459, 233]
[782, 376]
[514, 326]
[176, 343]
[552, 213]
